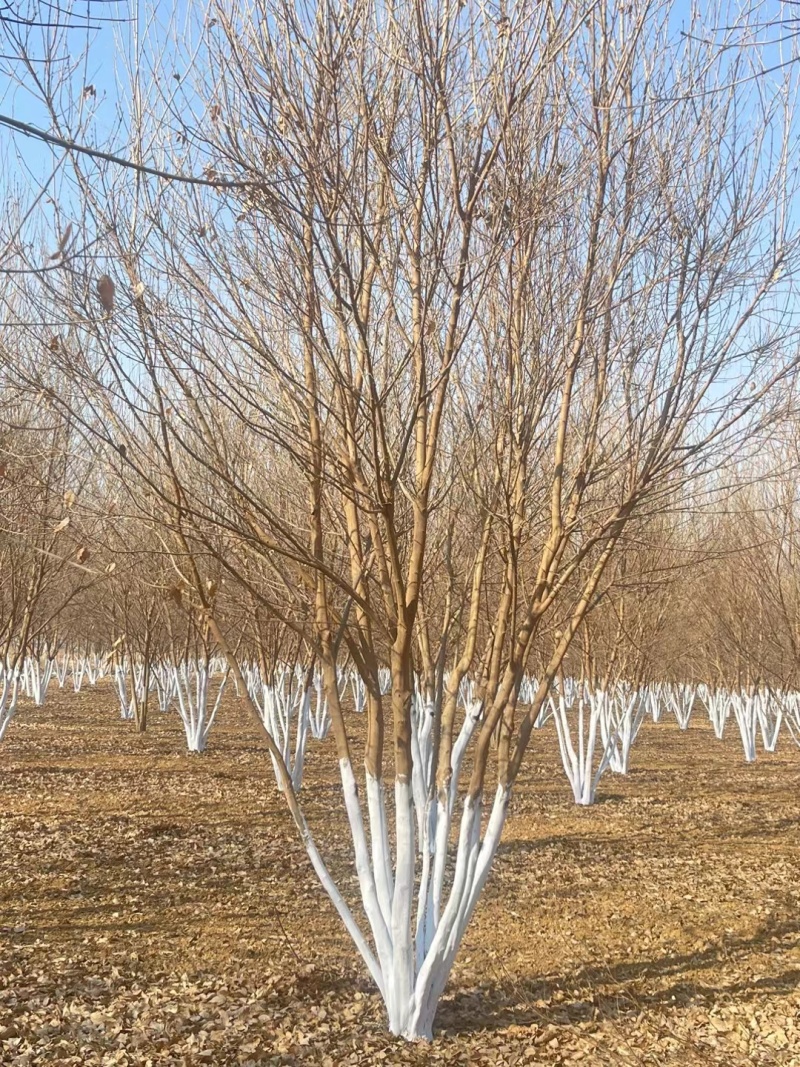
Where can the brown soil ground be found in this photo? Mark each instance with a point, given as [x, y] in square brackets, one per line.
[157, 908]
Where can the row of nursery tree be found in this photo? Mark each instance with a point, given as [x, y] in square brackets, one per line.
[420, 372]
[596, 724]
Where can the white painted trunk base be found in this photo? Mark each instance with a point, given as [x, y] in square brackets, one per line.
[129, 682]
[414, 956]
[745, 711]
[415, 927]
[36, 676]
[621, 716]
[578, 756]
[9, 691]
[191, 688]
[718, 706]
[285, 709]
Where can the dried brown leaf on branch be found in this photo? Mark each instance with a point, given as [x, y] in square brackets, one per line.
[63, 242]
[105, 292]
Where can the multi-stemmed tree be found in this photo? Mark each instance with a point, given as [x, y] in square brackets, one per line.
[467, 289]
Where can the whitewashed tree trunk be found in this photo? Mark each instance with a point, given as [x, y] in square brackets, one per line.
[579, 764]
[36, 678]
[9, 691]
[546, 712]
[527, 692]
[359, 690]
[62, 669]
[745, 711]
[163, 680]
[79, 667]
[790, 702]
[92, 669]
[654, 698]
[473, 711]
[251, 673]
[681, 701]
[121, 684]
[191, 686]
[413, 956]
[622, 713]
[718, 706]
[319, 718]
[442, 938]
[770, 717]
[527, 689]
[285, 703]
[129, 682]
[423, 710]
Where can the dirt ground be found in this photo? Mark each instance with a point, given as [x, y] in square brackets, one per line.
[158, 908]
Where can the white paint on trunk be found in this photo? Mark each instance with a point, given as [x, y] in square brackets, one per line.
[402, 977]
[746, 715]
[366, 880]
[284, 706]
[381, 852]
[192, 695]
[61, 669]
[410, 972]
[473, 863]
[9, 691]
[412, 940]
[579, 766]
[36, 677]
[718, 706]
[770, 717]
[162, 677]
[319, 718]
[681, 700]
[129, 682]
[622, 712]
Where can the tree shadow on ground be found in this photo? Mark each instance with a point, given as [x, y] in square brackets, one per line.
[593, 993]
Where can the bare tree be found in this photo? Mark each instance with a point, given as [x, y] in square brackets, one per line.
[489, 283]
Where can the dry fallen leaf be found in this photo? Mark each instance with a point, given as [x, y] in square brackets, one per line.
[157, 907]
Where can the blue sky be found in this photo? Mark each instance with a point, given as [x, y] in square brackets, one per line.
[109, 49]
[96, 97]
